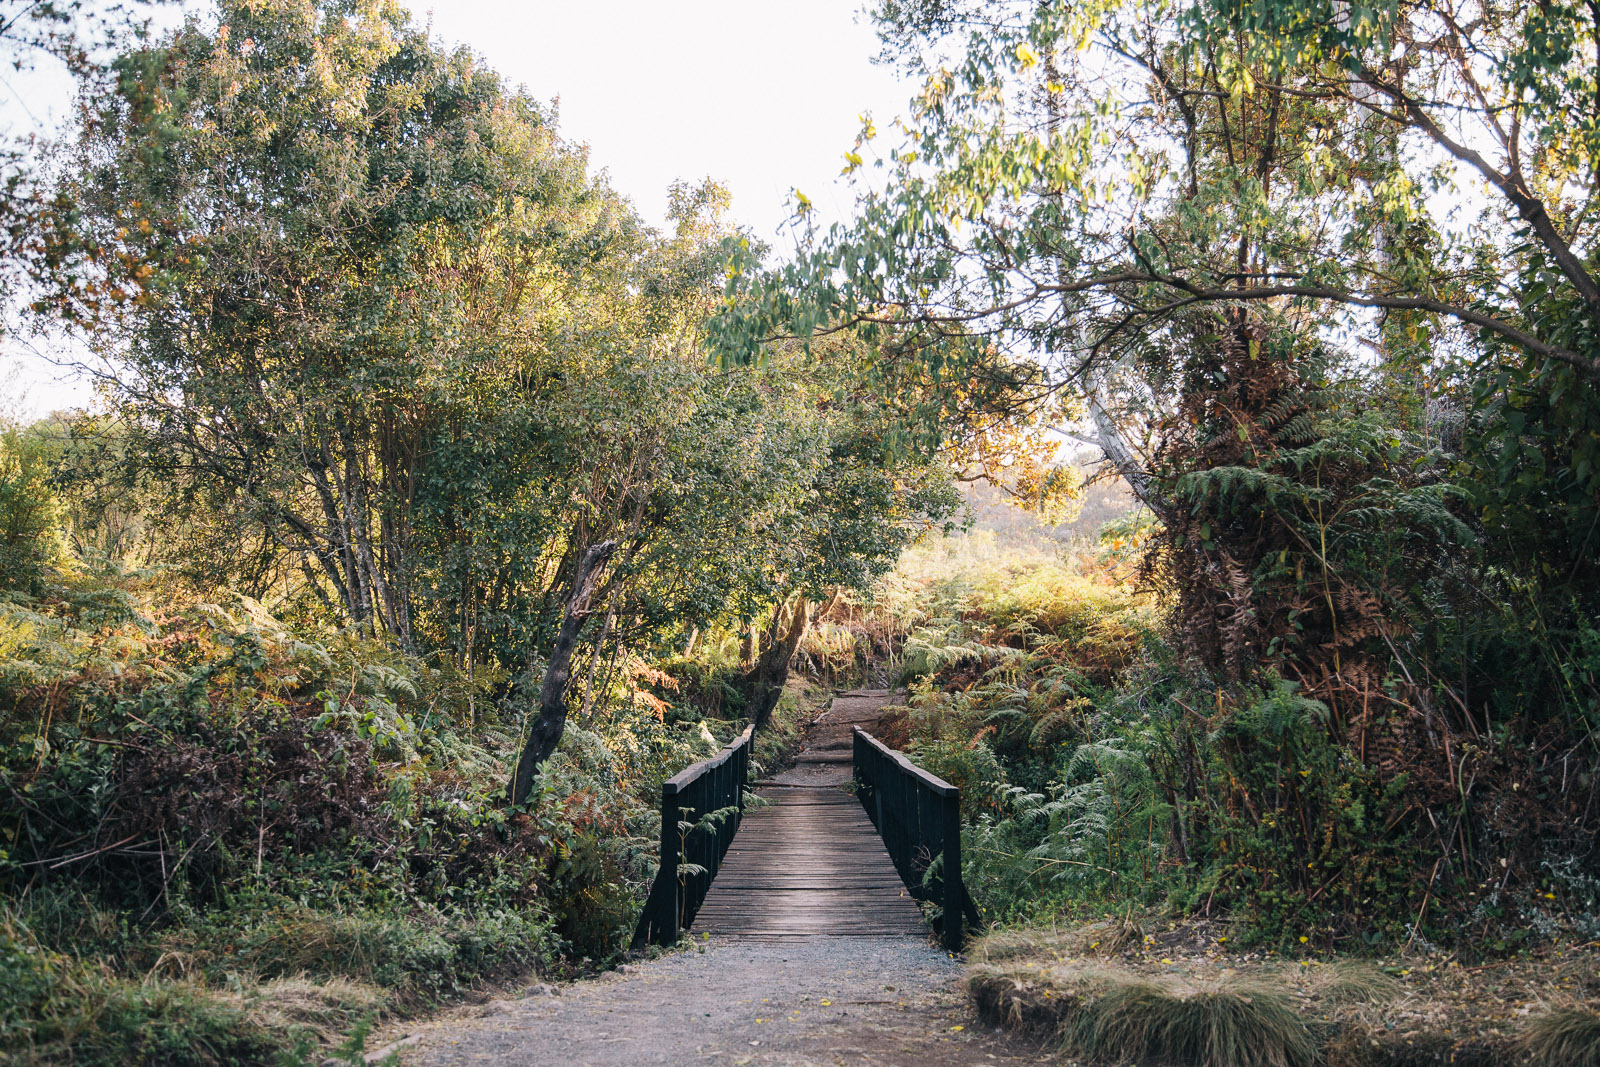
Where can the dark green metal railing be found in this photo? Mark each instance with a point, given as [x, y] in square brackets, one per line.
[918, 815]
[700, 812]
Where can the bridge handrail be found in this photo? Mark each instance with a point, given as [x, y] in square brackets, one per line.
[918, 815]
[711, 785]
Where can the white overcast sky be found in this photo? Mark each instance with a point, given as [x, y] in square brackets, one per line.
[762, 96]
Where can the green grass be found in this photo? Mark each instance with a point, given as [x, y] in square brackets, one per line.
[58, 1009]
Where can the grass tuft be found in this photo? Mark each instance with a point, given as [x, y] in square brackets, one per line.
[1143, 1021]
[1106, 1012]
[1563, 1037]
[1352, 982]
[1106, 938]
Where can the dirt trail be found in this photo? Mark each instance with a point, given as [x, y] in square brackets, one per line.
[879, 1001]
[824, 758]
[886, 1002]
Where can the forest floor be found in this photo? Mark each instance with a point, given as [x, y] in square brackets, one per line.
[890, 1001]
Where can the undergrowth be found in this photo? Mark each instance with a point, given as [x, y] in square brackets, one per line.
[226, 836]
[1102, 767]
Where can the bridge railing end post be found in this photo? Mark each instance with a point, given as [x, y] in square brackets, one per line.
[954, 889]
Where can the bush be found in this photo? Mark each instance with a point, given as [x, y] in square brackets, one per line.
[971, 768]
[30, 515]
[55, 1008]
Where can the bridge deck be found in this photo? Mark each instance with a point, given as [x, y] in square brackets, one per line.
[811, 865]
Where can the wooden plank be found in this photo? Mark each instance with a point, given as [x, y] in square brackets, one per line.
[809, 864]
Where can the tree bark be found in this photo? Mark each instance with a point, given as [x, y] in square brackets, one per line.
[551, 722]
[766, 678]
[1122, 458]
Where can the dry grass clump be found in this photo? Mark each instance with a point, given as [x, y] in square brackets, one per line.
[327, 1007]
[1564, 1037]
[1224, 1027]
[1106, 938]
[1114, 1014]
[1348, 982]
[1181, 994]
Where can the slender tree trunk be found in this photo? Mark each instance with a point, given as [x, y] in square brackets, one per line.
[1122, 458]
[766, 678]
[545, 733]
[594, 661]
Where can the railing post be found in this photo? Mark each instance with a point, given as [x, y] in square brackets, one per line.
[671, 897]
[954, 890]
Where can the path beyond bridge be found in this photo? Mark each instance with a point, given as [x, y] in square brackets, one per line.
[808, 951]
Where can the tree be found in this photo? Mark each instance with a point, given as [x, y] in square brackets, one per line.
[1304, 264]
[545, 732]
[339, 215]
[1073, 180]
[402, 361]
[43, 258]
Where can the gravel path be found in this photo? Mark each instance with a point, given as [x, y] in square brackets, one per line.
[880, 1001]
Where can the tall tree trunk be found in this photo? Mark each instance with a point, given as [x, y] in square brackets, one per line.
[594, 661]
[765, 680]
[545, 733]
[1127, 465]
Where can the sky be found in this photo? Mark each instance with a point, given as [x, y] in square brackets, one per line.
[761, 96]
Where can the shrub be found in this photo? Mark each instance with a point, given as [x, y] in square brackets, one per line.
[30, 515]
[55, 1008]
[971, 768]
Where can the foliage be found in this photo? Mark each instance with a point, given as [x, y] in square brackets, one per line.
[1172, 214]
[1101, 767]
[59, 1009]
[30, 513]
[1298, 532]
[453, 359]
[1073, 179]
[201, 792]
[390, 361]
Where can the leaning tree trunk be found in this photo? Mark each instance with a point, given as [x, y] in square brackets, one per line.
[765, 679]
[551, 721]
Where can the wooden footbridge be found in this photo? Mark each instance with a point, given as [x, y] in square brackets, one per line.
[810, 859]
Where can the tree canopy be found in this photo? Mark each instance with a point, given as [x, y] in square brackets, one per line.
[390, 344]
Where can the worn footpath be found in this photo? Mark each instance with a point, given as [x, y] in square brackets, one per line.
[823, 999]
